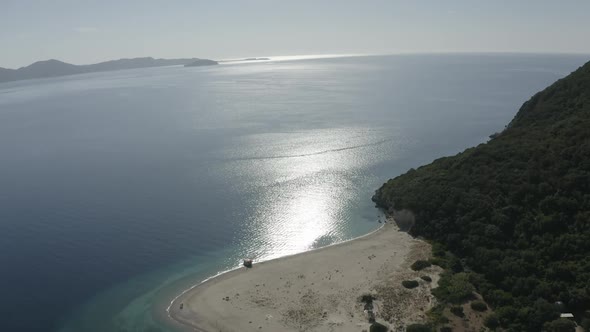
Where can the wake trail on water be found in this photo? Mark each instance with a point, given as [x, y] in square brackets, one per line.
[360, 146]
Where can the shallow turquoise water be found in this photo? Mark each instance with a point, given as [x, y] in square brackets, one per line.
[120, 189]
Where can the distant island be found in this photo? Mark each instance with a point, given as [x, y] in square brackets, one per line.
[245, 59]
[202, 62]
[54, 68]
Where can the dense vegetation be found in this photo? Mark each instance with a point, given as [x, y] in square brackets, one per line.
[512, 216]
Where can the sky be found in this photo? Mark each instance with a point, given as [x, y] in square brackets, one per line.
[89, 31]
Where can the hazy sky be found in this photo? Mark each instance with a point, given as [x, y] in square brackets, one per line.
[80, 31]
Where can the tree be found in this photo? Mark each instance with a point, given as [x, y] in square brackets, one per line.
[454, 288]
[560, 325]
[492, 322]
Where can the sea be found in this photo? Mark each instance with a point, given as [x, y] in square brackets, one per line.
[118, 190]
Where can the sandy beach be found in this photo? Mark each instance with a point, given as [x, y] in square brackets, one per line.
[317, 290]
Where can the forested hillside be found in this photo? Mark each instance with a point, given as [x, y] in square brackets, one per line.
[514, 213]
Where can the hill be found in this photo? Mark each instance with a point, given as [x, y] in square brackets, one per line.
[514, 213]
[53, 68]
[201, 62]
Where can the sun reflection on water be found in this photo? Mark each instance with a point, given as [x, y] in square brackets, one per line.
[303, 215]
[312, 186]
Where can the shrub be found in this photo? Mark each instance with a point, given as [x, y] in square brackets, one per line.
[457, 311]
[410, 283]
[367, 298]
[418, 328]
[377, 327]
[446, 329]
[420, 265]
[426, 278]
[479, 306]
[491, 322]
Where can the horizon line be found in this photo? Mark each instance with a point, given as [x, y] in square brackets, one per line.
[236, 60]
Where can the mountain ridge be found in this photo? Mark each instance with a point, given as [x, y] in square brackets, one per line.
[55, 68]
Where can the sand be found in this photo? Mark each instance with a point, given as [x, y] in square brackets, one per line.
[317, 290]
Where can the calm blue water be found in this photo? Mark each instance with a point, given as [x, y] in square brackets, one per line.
[119, 189]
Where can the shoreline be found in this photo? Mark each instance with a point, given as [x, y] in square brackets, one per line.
[296, 292]
[220, 274]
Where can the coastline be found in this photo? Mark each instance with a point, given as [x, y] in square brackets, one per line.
[313, 290]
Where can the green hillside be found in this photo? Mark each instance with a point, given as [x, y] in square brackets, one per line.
[514, 213]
